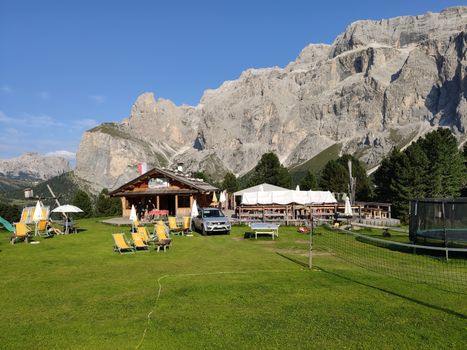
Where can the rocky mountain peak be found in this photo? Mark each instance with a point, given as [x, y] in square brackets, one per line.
[402, 31]
[381, 84]
[33, 166]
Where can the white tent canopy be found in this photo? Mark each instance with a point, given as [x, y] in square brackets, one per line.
[260, 188]
[288, 197]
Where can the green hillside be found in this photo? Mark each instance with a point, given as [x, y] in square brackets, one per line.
[315, 164]
[64, 186]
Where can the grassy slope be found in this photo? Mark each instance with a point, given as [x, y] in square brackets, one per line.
[219, 292]
[315, 164]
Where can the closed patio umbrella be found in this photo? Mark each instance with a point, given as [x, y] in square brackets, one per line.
[133, 216]
[37, 216]
[223, 198]
[348, 208]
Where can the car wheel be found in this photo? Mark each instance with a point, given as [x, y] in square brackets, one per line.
[203, 231]
[227, 232]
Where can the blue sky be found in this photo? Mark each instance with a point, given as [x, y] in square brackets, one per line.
[66, 66]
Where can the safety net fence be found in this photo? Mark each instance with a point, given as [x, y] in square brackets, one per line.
[441, 267]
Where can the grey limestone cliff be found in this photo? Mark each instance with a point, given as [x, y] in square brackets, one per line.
[380, 84]
[33, 166]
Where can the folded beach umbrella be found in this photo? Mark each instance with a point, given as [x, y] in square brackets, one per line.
[194, 209]
[348, 208]
[37, 213]
[37, 216]
[133, 216]
[222, 198]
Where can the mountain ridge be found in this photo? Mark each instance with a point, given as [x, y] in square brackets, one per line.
[33, 167]
[380, 84]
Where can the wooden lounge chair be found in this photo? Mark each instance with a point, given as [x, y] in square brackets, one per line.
[138, 242]
[21, 233]
[186, 224]
[173, 227]
[143, 231]
[162, 240]
[42, 229]
[121, 244]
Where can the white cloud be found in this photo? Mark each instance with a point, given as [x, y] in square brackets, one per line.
[99, 99]
[38, 120]
[5, 119]
[30, 120]
[6, 89]
[86, 123]
[62, 153]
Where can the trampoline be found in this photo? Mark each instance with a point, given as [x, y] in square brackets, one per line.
[438, 219]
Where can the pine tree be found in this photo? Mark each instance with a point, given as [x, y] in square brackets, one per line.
[400, 186]
[446, 169]
[82, 200]
[384, 176]
[334, 177]
[309, 182]
[418, 170]
[106, 205]
[364, 187]
[271, 171]
[230, 183]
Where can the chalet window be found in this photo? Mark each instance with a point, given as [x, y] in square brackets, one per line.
[183, 201]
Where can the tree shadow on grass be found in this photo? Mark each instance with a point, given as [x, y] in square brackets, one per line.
[419, 302]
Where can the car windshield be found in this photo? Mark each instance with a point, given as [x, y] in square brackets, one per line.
[212, 213]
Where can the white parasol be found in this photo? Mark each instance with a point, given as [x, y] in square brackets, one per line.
[297, 188]
[222, 197]
[194, 209]
[37, 213]
[348, 208]
[67, 208]
[133, 216]
[37, 216]
[194, 213]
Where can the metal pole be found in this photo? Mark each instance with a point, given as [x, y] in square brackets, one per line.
[445, 237]
[310, 253]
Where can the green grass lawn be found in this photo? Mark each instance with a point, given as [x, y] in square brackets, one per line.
[74, 292]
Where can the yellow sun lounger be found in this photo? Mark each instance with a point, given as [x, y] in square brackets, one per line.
[21, 233]
[42, 228]
[121, 244]
[138, 242]
[186, 224]
[143, 231]
[162, 240]
[173, 227]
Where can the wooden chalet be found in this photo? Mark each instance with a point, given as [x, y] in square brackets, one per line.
[168, 191]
